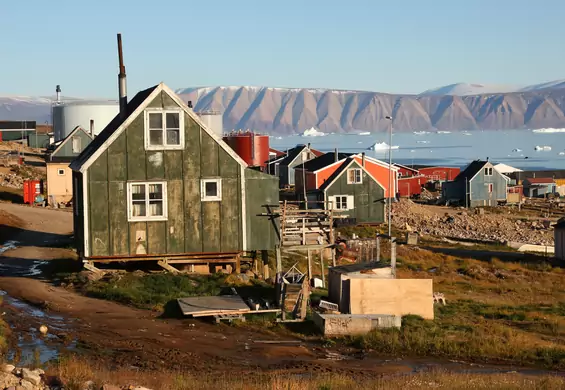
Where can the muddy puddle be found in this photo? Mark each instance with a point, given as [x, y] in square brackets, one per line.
[27, 346]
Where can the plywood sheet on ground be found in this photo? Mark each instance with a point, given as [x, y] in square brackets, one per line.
[212, 305]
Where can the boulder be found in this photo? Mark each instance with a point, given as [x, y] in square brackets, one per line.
[27, 385]
[31, 376]
[8, 368]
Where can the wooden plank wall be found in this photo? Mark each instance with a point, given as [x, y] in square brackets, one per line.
[369, 204]
[192, 225]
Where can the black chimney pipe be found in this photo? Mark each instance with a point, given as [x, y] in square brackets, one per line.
[189, 104]
[122, 85]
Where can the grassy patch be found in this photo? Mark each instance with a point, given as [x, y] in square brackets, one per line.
[155, 291]
[73, 372]
[496, 311]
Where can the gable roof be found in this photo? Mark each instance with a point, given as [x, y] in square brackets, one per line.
[65, 140]
[540, 180]
[471, 170]
[134, 108]
[343, 167]
[405, 167]
[277, 153]
[323, 161]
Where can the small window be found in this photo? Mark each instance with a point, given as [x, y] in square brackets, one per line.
[488, 171]
[342, 202]
[211, 190]
[77, 145]
[61, 172]
[490, 188]
[354, 176]
[164, 130]
[147, 201]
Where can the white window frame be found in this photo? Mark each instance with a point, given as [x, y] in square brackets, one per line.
[131, 218]
[78, 141]
[59, 170]
[488, 171]
[355, 180]
[349, 202]
[203, 196]
[490, 188]
[164, 113]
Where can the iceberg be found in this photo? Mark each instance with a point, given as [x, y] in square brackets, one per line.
[443, 132]
[542, 148]
[548, 130]
[365, 133]
[422, 132]
[516, 150]
[465, 133]
[422, 142]
[562, 153]
[382, 146]
[313, 132]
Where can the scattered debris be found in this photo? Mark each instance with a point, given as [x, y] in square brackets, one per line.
[439, 298]
[489, 227]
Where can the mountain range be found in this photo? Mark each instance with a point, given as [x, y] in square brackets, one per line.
[285, 111]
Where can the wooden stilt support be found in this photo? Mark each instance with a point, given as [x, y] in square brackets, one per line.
[279, 259]
[238, 264]
[89, 265]
[309, 265]
[265, 260]
[322, 268]
[164, 264]
[378, 248]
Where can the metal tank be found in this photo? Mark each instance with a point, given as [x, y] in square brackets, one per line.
[68, 115]
[252, 148]
[213, 120]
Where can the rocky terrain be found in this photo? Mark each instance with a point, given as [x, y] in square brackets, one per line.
[13, 378]
[468, 225]
[288, 111]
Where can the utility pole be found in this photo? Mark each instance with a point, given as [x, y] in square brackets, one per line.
[390, 190]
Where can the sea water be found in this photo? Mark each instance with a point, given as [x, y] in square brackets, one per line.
[451, 149]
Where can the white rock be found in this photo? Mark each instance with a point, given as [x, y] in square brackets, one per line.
[8, 368]
[43, 329]
[31, 376]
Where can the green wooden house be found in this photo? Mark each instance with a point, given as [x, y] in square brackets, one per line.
[157, 182]
[354, 192]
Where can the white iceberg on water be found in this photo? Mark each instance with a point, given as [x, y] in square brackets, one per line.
[382, 146]
[313, 132]
[516, 150]
[365, 133]
[542, 148]
[443, 132]
[421, 132]
[422, 142]
[549, 130]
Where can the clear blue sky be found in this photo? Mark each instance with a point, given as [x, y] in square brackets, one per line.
[401, 46]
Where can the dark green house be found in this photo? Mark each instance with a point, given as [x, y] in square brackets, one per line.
[354, 193]
[157, 181]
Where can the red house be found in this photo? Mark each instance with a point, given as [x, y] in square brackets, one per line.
[440, 173]
[404, 171]
[410, 186]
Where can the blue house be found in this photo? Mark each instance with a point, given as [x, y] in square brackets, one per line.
[477, 185]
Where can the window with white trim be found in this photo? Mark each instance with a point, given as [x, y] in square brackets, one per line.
[147, 201]
[76, 144]
[342, 202]
[488, 171]
[61, 172]
[211, 190]
[164, 129]
[490, 187]
[354, 176]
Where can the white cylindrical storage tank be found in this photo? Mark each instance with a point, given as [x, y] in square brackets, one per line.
[68, 115]
[214, 121]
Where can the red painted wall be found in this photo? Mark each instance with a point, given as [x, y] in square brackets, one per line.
[440, 173]
[409, 186]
